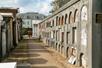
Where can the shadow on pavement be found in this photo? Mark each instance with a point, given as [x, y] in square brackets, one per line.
[34, 46]
[38, 61]
[39, 51]
[45, 67]
[24, 55]
[34, 55]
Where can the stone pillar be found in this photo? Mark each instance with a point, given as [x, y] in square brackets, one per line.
[3, 42]
[1, 18]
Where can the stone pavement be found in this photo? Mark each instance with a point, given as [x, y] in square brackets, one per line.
[34, 54]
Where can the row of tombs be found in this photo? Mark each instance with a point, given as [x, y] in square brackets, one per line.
[75, 32]
[10, 27]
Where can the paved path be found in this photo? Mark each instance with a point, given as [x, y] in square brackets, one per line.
[36, 55]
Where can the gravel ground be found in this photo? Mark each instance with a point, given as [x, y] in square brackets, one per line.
[37, 55]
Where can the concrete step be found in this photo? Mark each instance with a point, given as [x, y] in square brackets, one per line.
[24, 65]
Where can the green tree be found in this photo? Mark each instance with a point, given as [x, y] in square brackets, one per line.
[56, 4]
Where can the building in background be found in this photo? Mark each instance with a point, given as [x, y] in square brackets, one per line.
[35, 28]
[29, 22]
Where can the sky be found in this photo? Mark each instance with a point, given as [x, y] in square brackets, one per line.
[41, 6]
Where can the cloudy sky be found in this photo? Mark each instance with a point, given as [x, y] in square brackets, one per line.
[41, 6]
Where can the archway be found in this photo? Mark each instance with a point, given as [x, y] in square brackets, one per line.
[70, 20]
[59, 48]
[82, 60]
[67, 53]
[62, 49]
[76, 16]
[84, 22]
[56, 46]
